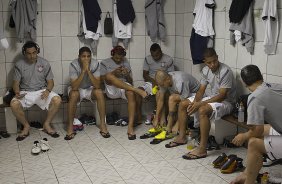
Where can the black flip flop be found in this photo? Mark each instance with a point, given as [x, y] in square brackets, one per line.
[105, 135]
[190, 156]
[4, 134]
[52, 134]
[70, 137]
[173, 144]
[22, 137]
[131, 136]
[148, 135]
[157, 141]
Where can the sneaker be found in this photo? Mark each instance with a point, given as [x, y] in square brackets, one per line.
[164, 135]
[155, 130]
[267, 162]
[44, 144]
[36, 149]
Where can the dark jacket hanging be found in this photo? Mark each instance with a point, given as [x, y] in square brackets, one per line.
[92, 13]
[125, 11]
[238, 10]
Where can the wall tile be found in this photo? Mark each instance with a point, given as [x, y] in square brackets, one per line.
[65, 70]
[188, 23]
[231, 52]
[39, 41]
[104, 47]
[57, 71]
[137, 49]
[197, 71]
[274, 63]
[179, 47]
[69, 5]
[51, 5]
[52, 48]
[139, 5]
[258, 4]
[51, 23]
[69, 23]
[168, 46]
[179, 27]
[39, 25]
[169, 6]
[9, 32]
[69, 48]
[220, 5]
[273, 79]
[219, 47]
[14, 50]
[2, 56]
[139, 24]
[148, 45]
[244, 58]
[179, 6]
[5, 4]
[1, 6]
[170, 24]
[280, 23]
[188, 6]
[179, 64]
[186, 48]
[105, 5]
[219, 25]
[260, 58]
[137, 69]
[9, 74]
[3, 75]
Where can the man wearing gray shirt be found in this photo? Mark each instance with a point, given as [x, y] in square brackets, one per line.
[33, 84]
[180, 86]
[117, 76]
[264, 105]
[85, 84]
[152, 63]
[219, 102]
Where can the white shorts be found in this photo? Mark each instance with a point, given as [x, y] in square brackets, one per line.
[148, 86]
[272, 144]
[83, 94]
[114, 92]
[219, 110]
[34, 98]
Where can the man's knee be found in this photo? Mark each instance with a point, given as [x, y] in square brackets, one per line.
[253, 143]
[56, 100]
[205, 110]
[173, 98]
[74, 95]
[98, 93]
[15, 104]
[183, 105]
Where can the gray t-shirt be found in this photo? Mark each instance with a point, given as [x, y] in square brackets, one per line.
[183, 84]
[222, 78]
[33, 77]
[75, 71]
[108, 65]
[264, 104]
[165, 64]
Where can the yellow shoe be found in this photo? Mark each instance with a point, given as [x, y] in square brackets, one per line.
[164, 135]
[155, 130]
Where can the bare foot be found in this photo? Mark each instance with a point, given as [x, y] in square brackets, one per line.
[239, 179]
[179, 140]
[141, 93]
[48, 128]
[25, 130]
[103, 128]
[198, 152]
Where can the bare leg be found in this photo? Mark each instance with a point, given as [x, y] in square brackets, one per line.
[53, 109]
[131, 111]
[174, 99]
[18, 111]
[98, 94]
[139, 101]
[204, 113]
[120, 84]
[73, 99]
[182, 119]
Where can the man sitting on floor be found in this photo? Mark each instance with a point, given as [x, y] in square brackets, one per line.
[180, 86]
[117, 76]
[33, 84]
[152, 63]
[220, 102]
[85, 83]
[264, 105]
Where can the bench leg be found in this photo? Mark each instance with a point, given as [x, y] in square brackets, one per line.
[11, 121]
[96, 113]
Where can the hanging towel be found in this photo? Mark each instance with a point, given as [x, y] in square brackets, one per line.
[24, 13]
[154, 16]
[203, 21]
[92, 13]
[246, 29]
[270, 21]
[125, 11]
[238, 10]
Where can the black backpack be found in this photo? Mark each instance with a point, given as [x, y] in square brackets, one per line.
[108, 24]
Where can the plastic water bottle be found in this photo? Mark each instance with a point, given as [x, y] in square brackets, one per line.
[241, 116]
[191, 142]
[264, 178]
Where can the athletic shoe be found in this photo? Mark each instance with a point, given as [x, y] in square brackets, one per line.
[36, 148]
[267, 162]
[44, 144]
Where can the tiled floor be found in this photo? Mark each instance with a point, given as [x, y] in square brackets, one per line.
[89, 158]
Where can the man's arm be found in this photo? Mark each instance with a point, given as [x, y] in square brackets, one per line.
[218, 98]
[147, 78]
[254, 131]
[94, 80]
[16, 88]
[75, 83]
[50, 85]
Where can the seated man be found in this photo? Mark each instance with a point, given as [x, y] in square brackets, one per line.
[152, 63]
[116, 73]
[33, 84]
[180, 86]
[264, 105]
[219, 103]
[85, 83]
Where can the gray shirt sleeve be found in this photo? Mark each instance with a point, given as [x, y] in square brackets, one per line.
[204, 79]
[184, 91]
[170, 65]
[72, 72]
[226, 80]
[103, 69]
[145, 65]
[96, 70]
[255, 113]
[17, 72]
[48, 72]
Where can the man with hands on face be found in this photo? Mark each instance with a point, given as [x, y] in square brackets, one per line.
[85, 84]
[219, 102]
[33, 84]
[117, 76]
[264, 105]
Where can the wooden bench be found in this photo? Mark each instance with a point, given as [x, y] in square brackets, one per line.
[231, 119]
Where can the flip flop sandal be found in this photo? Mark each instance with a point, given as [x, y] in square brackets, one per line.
[52, 134]
[173, 144]
[220, 160]
[70, 137]
[22, 137]
[148, 135]
[156, 141]
[105, 135]
[4, 134]
[131, 137]
[190, 156]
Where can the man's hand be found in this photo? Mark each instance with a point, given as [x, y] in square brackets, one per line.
[193, 107]
[85, 66]
[239, 139]
[124, 71]
[45, 94]
[117, 72]
[20, 96]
